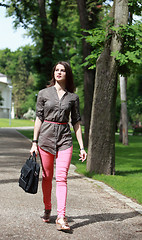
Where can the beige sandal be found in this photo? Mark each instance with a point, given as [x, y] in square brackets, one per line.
[62, 224]
[46, 216]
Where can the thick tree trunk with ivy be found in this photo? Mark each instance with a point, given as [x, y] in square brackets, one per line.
[124, 117]
[101, 151]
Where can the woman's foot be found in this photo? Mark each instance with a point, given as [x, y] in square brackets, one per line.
[46, 216]
[62, 224]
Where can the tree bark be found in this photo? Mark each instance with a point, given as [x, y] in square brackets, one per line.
[124, 118]
[89, 80]
[120, 129]
[89, 75]
[101, 151]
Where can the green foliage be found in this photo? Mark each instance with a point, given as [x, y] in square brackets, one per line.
[131, 53]
[96, 39]
[30, 100]
[21, 11]
[66, 46]
[132, 47]
[18, 66]
[97, 34]
[137, 131]
[135, 7]
[135, 108]
[19, 80]
[134, 95]
[40, 22]
[9, 60]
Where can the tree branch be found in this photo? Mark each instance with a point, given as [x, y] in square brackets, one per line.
[4, 5]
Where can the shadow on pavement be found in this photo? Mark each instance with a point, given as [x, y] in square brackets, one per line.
[89, 219]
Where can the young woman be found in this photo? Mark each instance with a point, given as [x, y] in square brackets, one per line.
[53, 135]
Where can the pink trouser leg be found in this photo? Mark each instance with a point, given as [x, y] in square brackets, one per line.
[63, 160]
[47, 161]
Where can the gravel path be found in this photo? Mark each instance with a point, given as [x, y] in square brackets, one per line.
[93, 213]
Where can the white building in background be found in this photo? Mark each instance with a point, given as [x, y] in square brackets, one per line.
[6, 110]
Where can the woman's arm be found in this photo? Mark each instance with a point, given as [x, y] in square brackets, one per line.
[78, 133]
[37, 127]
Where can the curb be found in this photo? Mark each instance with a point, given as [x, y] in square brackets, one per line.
[18, 128]
[137, 207]
[22, 134]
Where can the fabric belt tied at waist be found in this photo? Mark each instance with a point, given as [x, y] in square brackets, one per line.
[54, 122]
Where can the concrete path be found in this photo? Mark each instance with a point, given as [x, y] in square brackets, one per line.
[93, 213]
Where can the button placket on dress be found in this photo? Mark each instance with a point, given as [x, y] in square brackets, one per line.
[56, 127]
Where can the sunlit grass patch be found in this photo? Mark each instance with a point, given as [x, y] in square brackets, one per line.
[5, 122]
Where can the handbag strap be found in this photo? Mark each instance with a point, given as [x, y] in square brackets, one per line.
[33, 156]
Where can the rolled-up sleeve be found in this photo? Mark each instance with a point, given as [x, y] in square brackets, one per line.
[75, 113]
[40, 107]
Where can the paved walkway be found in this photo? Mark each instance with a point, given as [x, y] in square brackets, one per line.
[93, 212]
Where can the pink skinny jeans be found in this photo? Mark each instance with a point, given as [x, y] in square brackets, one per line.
[63, 159]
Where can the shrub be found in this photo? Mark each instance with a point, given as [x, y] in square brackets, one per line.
[30, 114]
[137, 130]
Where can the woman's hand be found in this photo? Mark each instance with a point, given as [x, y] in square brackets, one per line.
[83, 155]
[34, 149]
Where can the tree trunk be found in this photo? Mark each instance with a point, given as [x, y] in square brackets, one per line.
[101, 151]
[47, 34]
[89, 79]
[89, 75]
[124, 118]
[120, 129]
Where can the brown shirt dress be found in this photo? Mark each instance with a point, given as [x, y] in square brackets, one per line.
[56, 137]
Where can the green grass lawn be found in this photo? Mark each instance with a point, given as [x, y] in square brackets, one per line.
[4, 122]
[128, 177]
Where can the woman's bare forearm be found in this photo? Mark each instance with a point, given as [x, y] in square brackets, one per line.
[78, 133]
[37, 127]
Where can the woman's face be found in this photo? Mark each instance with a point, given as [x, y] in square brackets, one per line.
[60, 73]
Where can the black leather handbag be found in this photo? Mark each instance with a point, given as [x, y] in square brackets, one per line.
[29, 176]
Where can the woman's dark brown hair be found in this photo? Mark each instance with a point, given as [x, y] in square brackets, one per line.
[69, 77]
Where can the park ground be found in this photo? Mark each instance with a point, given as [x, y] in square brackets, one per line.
[93, 213]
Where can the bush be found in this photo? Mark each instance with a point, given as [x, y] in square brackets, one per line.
[30, 114]
[137, 130]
